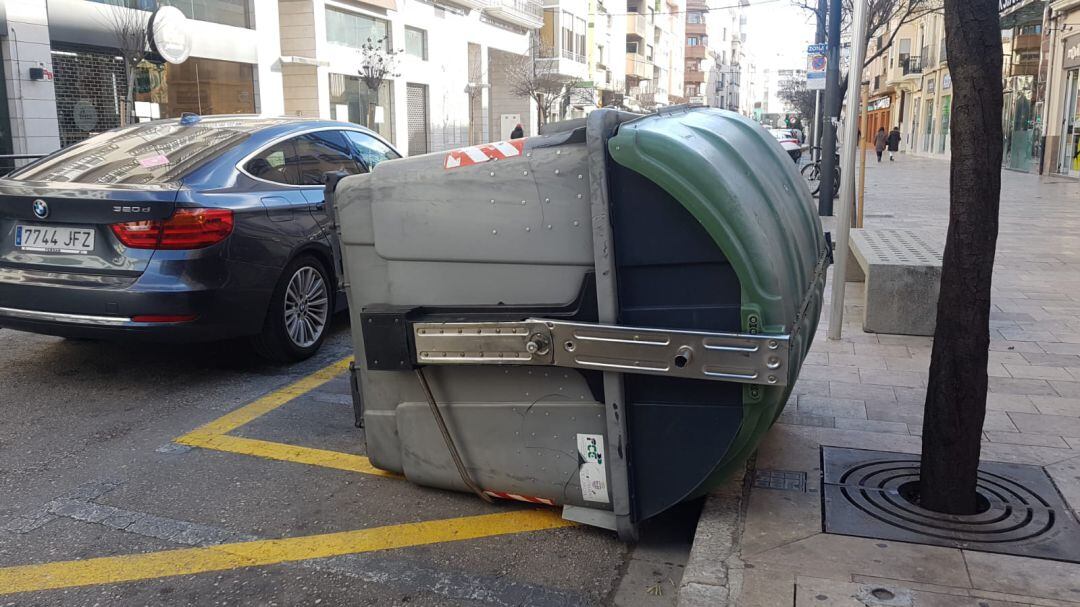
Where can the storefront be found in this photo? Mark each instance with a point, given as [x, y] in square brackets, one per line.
[1069, 161]
[878, 116]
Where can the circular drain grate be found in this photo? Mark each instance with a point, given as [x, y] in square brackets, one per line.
[1013, 513]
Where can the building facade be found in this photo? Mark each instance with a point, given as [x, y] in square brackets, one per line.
[64, 80]
[714, 56]
[655, 53]
[1060, 70]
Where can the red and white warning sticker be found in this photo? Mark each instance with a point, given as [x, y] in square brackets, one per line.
[520, 498]
[476, 154]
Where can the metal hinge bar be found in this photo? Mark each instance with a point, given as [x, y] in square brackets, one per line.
[752, 359]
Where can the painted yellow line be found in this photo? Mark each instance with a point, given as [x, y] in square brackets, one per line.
[283, 452]
[273, 400]
[188, 561]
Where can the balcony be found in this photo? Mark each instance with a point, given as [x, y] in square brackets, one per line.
[911, 65]
[525, 13]
[695, 52]
[1027, 68]
[476, 4]
[638, 67]
[695, 29]
[637, 26]
[693, 76]
[566, 63]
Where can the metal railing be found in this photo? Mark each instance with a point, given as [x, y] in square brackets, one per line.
[911, 65]
[532, 8]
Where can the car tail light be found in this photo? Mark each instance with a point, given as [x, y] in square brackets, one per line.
[186, 229]
[163, 318]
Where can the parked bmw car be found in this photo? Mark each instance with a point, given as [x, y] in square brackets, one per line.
[182, 230]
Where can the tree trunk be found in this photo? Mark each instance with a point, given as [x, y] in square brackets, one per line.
[956, 396]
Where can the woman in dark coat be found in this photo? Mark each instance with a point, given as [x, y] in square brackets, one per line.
[879, 142]
[894, 143]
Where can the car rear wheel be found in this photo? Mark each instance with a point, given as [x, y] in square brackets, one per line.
[299, 314]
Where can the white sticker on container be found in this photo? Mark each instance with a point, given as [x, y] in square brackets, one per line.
[593, 471]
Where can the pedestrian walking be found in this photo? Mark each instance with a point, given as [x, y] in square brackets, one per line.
[880, 140]
[517, 133]
[894, 143]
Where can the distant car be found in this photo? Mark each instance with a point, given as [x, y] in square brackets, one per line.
[189, 229]
[789, 140]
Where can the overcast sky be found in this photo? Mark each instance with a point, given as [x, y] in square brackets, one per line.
[777, 34]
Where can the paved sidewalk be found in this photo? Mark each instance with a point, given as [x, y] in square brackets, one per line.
[766, 547]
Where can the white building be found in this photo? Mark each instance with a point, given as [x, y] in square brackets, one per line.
[295, 57]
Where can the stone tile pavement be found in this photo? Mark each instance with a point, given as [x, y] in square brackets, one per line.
[867, 391]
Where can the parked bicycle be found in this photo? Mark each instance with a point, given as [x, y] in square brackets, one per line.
[811, 172]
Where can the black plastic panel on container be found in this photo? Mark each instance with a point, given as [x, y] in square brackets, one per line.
[671, 275]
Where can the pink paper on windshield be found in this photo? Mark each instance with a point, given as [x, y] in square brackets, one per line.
[149, 162]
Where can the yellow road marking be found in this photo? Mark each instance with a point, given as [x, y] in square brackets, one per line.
[187, 561]
[283, 452]
[262, 406]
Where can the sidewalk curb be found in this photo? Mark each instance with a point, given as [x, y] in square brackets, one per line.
[713, 574]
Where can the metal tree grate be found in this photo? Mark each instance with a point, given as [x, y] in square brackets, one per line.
[1023, 515]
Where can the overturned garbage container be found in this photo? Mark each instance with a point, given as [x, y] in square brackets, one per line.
[605, 318]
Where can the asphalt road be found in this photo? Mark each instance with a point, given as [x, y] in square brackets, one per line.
[89, 468]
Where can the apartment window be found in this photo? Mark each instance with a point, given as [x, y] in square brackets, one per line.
[416, 42]
[548, 43]
[567, 33]
[632, 47]
[648, 52]
[579, 38]
[693, 41]
[354, 30]
[694, 18]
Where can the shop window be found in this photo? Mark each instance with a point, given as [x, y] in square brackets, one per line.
[352, 101]
[199, 86]
[416, 42]
[355, 30]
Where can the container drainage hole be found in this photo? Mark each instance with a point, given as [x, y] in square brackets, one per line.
[681, 360]
[882, 595]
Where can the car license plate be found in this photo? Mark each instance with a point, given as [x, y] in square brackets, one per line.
[54, 239]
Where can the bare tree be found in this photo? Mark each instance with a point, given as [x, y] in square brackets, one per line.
[128, 28]
[956, 395]
[794, 93]
[884, 18]
[535, 75]
[378, 62]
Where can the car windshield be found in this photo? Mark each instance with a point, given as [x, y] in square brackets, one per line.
[155, 153]
[781, 134]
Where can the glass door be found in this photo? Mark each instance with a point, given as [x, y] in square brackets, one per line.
[943, 134]
[928, 136]
[1070, 137]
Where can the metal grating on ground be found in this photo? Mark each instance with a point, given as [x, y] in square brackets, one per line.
[1025, 515]
[784, 480]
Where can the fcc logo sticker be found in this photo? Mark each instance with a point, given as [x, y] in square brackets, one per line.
[41, 209]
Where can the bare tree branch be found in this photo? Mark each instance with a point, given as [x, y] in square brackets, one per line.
[128, 28]
[535, 76]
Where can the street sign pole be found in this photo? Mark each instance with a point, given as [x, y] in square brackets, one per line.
[820, 35]
[847, 183]
[831, 111]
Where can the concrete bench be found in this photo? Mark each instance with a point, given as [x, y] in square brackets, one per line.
[902, 271]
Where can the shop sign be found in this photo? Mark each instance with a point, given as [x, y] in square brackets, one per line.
[1072, 52]
[816, 64]
[169, 34]
[881, 103]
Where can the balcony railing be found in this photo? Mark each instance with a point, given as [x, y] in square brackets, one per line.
[911, 64]
[573, 56]
[526, 13]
